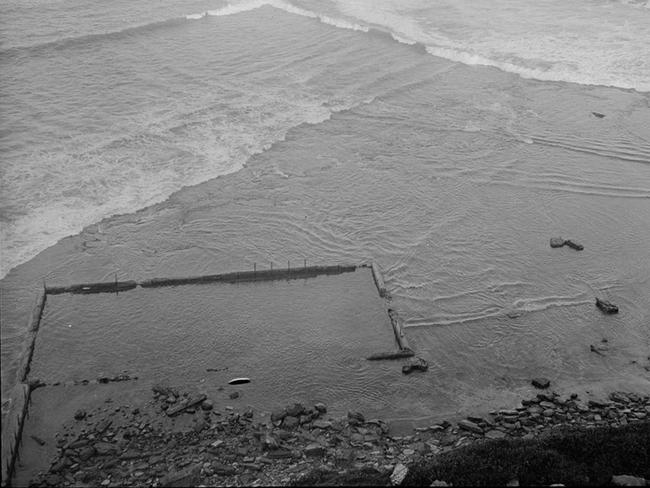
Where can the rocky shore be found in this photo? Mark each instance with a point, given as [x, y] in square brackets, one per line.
[121, 445]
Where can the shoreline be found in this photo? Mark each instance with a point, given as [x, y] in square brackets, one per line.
[178, 438]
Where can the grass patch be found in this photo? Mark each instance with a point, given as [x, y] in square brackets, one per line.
[572, 456]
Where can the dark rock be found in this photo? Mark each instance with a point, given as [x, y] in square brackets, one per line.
[606, 307]
[557, 242]
[415, 364]
[38, 440]
[321, 408]
[234, 395]
[598, 115]
[541, 382]
[314, 450]
[80, 414]
[355, 418]
[574, 245]
[207, 405]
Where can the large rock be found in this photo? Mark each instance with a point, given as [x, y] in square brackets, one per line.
[541, 382]
[415, 364]
[399, 473]
[470, 426]
[627, 480]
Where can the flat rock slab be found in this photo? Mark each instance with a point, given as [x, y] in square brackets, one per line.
[192, 401]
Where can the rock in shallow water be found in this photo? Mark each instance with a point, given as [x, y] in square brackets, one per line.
[606, 307]
[541, 382]
[415, 364]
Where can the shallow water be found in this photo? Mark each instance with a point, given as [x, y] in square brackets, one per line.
[453, 178]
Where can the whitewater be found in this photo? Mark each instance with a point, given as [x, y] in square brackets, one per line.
[590, 42]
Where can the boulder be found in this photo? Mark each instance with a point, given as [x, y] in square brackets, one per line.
[415, 364]
[627, 480]
[541, 382]
[399, 473]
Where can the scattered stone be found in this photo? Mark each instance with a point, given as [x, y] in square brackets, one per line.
[557, 242]
[80, 414]
[606, 307]
[415, 364]
[234, 395]
[541, 383]
[207, 405]
[38, 440]
[598, 115]
[399, 473]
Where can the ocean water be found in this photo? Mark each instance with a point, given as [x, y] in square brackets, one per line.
[445, 140]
